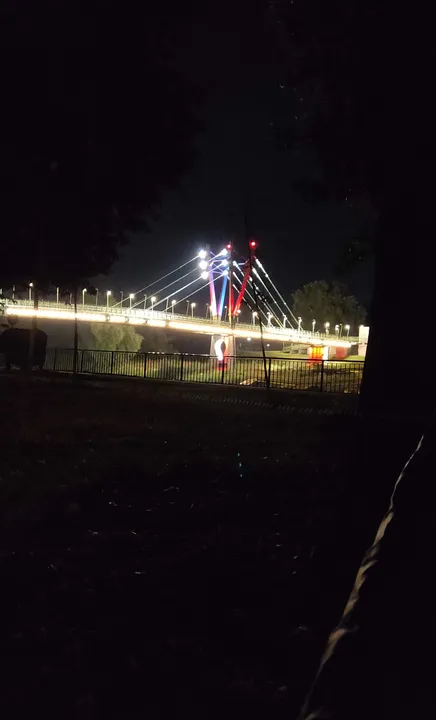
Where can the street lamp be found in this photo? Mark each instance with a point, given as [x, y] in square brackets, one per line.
[145, 302]
[269, 319]
[108, 294]
[30, 291]
[153, 300]
[192, 309]
[173, 302]
[284, 322]
[131, 296]
[327, 325]
[207, 309]
[299, 323]
[347, 328]
[57, 294]
[254, 316]
[313, 325]
[337, 329]
[122, 298]
[96, 297]
[187, 308]
[83, 298]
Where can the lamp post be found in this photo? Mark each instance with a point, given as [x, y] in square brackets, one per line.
[337, 329]
[284, 322]
[13, 292]
[207, 310]
[153, 300]
[327, 325]
[253, 317]
[187, 308]
[299, 323]
[313, 325]
[96, 297]
[30, 291]
[57, 294]
[173, 302]
[131, 296]
[192, 310]
[83, 298]
[347, 328]
[122, 298]
[145, 302]
[225, 313]
[108, 294]
[269, 319]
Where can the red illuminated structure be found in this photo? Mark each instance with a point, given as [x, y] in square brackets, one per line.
[235, 307]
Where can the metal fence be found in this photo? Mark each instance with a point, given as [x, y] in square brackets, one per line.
[281, 373]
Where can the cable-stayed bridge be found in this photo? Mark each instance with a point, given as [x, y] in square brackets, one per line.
[243, 302]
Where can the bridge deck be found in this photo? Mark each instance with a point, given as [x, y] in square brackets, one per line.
[155, 318]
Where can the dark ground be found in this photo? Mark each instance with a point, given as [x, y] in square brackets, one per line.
[165, 557]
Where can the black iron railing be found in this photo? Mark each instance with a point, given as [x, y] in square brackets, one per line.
[282, 373]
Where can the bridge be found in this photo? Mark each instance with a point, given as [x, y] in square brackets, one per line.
[239, 289]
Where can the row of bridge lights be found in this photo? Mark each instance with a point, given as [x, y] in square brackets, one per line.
[108, 293]
[338, 328]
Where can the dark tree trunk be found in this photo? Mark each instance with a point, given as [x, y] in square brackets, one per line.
[33, 329]
[76, 336]
[399, 377]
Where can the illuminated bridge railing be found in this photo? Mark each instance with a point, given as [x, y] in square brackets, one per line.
[282, 373]
[173, 320]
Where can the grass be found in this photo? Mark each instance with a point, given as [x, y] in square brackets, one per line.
[164, 557]
[358, 358]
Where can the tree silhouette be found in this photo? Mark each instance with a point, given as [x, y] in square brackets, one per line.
[327, 302]
[108, 336]
[359, 100]
[96, 125]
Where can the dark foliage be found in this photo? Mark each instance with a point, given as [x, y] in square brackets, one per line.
[96, 124]
[357, 81]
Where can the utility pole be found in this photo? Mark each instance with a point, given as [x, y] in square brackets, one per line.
[251, 248]
[230, 308]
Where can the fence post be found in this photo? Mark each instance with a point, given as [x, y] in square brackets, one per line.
[181, 367]
[322, 376]
[268, 381]
[81, 361]
[112, 362]
[54, 359]
[145, 365]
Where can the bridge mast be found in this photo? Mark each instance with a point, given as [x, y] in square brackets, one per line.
[229, 247]
[213, 305]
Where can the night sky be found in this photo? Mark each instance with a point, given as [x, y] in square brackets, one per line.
[241, 167]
